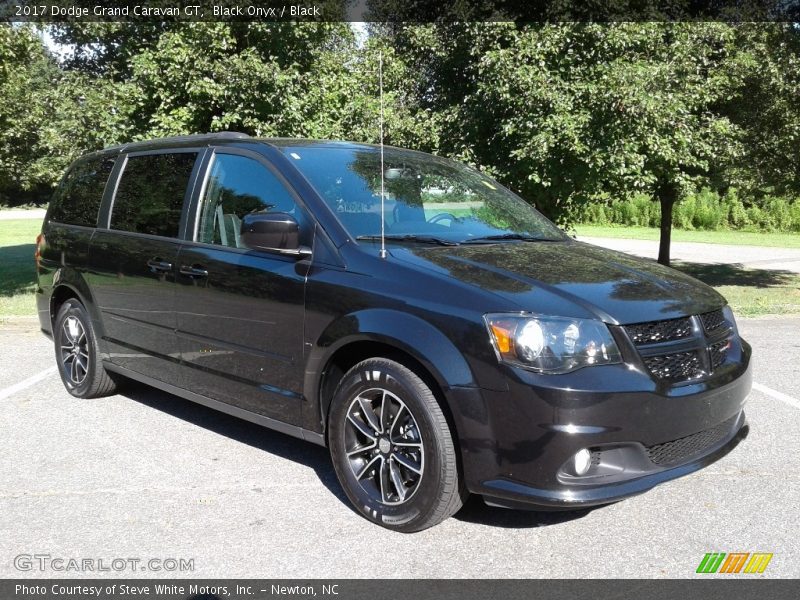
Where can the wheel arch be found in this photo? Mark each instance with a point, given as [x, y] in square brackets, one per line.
[61, 293]
[69, 285]
[399, 336]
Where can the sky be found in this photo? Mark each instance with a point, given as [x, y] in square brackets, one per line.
[59, 50]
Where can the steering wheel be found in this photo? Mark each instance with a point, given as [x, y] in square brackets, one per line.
[443, 217]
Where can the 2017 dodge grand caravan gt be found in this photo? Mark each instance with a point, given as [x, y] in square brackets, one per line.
[483, 352]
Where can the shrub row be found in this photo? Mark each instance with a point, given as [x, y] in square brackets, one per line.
[705, 210]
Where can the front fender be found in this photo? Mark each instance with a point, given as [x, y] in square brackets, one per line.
[403, 331]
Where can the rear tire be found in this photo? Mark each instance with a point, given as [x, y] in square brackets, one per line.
[78, 355]
[392, 448]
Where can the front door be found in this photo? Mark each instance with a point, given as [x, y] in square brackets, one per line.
[240, 311]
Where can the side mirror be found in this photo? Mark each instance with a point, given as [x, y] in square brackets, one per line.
[276, 232]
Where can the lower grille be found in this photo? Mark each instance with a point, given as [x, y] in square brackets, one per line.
[680, 366]
[687, 447]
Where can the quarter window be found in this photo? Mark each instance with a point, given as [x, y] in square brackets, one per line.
[236, 186]
[77, 200]
[150, 193]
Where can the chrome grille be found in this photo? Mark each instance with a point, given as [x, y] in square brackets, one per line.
[659, 331]
[680, 366]
[685, 448]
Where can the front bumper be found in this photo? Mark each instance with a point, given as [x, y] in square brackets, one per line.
[517, 445]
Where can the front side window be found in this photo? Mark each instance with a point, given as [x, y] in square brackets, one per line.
[150, 193]
[77, 200]
[237, 186]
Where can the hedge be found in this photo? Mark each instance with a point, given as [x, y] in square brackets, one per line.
[706, 210]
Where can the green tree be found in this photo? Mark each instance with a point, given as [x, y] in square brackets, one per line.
[123, 82]
[26, 73]
[768, 110]
[49, 116]
[564, 112]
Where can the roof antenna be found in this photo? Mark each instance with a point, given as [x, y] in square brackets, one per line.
[382, 252]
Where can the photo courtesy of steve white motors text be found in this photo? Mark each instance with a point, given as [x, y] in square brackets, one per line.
[191, 590]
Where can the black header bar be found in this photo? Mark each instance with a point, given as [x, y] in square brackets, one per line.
[411, 11]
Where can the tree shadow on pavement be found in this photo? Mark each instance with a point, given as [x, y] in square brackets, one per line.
[17, 269]
[735, 274]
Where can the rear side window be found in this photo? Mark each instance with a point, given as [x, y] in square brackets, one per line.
[150, 193]
[77, 200]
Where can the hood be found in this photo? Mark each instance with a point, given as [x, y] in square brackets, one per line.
[570, 278]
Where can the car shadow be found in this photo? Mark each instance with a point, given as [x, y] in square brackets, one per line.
[476, 511]
[17, 269]
[239, 430]
[317, 457]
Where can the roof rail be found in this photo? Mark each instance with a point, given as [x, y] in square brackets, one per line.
[219, 135]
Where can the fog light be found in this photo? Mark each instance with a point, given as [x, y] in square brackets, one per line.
[582, 461]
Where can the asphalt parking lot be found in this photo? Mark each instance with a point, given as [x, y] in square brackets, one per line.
[147, 475]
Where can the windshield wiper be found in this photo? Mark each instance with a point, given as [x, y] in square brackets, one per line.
[409, 237]
[507, 236]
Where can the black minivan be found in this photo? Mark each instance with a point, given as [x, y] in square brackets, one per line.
[431, 328]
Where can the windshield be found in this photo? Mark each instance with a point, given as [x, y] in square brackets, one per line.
[426, 197]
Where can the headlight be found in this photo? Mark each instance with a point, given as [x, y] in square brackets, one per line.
[551, 344]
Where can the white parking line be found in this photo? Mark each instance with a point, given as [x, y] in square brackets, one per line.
[26, 383]
[777, 395]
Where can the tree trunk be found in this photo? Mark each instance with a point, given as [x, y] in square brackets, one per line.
[667, 195]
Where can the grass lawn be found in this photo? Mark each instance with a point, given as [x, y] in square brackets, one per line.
[736, 238]
[754, 302]
[750, 292]
[17, 271]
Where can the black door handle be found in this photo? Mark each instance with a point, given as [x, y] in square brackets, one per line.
[159, 266]
[194, 271]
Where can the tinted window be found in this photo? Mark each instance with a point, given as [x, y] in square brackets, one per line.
[150, 193]
[77, 200]
[236, 186]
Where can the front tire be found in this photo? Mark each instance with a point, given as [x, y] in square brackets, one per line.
[78, 355]
[392, 448]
